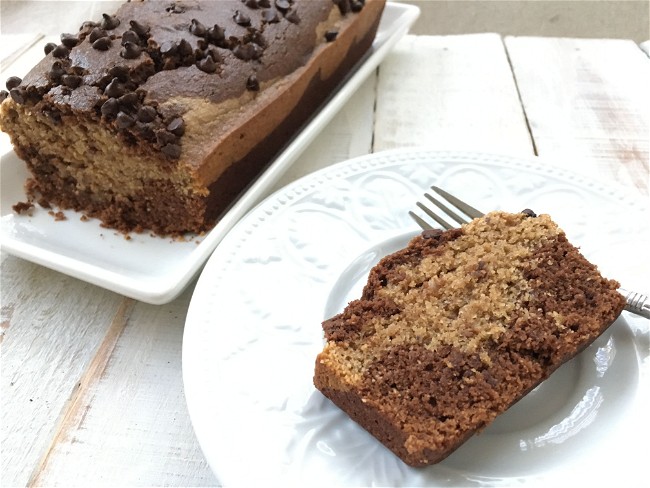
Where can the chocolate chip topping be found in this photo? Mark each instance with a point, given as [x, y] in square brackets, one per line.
[69, 40]
[207, 65]
[114, 89]
[124, 120]
[282, 5]
[172, 151]
[344, 6]
[140, 29]
[252, 83]
[96, 33]
[216, 34]
[129, 102]
[19, 95]
[356, 5]
[130, 51]
[270, 16]
[110, 22]
[177, 126]
[110, 108]
[57, 71]
[264, 3]
[102, 44]
[529, 212]
[3, 95]
[292, 16]
[13, 82]
[431, 233]
[130, 36]
[198, 29]
[147, 114]
[331, 35]
[241, 18]
[60, 51]
[49, 47]
[71, 81]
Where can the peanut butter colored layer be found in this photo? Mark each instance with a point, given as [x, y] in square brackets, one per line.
[454, 329]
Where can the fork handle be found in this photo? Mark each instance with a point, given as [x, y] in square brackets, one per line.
[637, 303]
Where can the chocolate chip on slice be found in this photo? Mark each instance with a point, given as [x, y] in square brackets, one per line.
[3, 95]
[102, 44]
[264, 3]
[529, 212]
[114, 89]
[60, 52]
[87, 26]
[356, 6]
[252, 4]
[57, 71]
[19, 94]
[207, 65]
[282, 5]
[165, 137]
[185, 48]
[69, 40]
[270, 16]
[49, 47]
[130, 36]
[129, 101]
[330, 35]
[119, 72]
[124, 120]
[96, 33]
[110, 22]
[172, 151]
[241, 18]
[197, 28]
[177, 126]
[344, 6]
[71, 81]
[130, 51]
[13, 82]
[110, 107]
[292, 16]
[147, 113]
[431, 233]
[167, 47]
[140, 29]
[252, 83]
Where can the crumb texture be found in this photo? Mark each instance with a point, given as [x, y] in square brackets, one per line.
[458, 326]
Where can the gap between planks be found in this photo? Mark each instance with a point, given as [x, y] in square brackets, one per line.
[93, 373]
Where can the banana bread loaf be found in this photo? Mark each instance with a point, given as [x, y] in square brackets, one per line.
[458, 326]
[157, 117]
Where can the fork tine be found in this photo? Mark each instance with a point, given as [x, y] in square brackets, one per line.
[420, 221]
[469, 210]
[435, 217]
[446, 209]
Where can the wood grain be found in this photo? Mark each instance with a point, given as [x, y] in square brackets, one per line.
[586, 101]
[451, 92]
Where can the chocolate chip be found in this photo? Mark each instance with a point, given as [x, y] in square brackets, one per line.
[130, 51]
[13, 82]
[96, 33]
[197, 28]
[87, 26]
[241, 19]
[110, 108]
[177, 126]
[356, 6]
[251, 4]
[124, 121]
[270, 16]
[264, 3]
[61, 52]
[102, 44]
[175, 9]
[292, 16]
[282, 5]
[49, 47]
[343, 5]
[207, 65]
[185, 48]
[165, 137]
[431, 233]
[331, 35]
[252, 84]
[57, 71]
[119, 72]
[19, 95]
[129, 102]
[147, 114]
[216, 34]
[69, 40]
[529, 212]
[110, 22]
[172, 151]
[114, 89]
[71, 81]
[130, 36]
[246, 52]
[140, 29]
[3, 95]
[167, 47]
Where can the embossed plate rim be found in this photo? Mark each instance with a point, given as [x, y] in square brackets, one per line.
[236, 418]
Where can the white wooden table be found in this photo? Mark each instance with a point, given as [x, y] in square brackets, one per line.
[91, 390]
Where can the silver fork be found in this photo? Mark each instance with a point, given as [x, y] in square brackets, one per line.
[637, 303]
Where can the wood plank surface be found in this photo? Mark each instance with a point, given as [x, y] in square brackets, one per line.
[587, 104]
[450, 92]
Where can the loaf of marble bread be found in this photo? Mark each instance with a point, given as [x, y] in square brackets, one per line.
[455, 328]
[157, 117]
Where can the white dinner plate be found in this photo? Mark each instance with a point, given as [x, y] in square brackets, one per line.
[253, 331]
[145, 267]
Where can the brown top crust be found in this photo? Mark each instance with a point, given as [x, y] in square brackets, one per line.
[121, 69]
